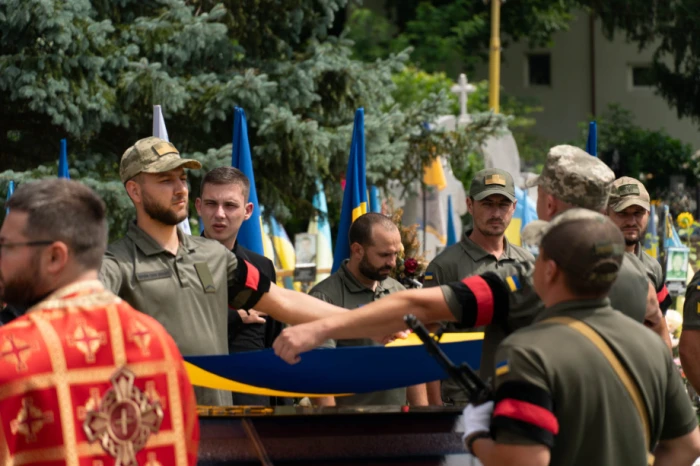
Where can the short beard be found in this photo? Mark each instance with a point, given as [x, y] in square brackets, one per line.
[21, 293]
[632, 242]
[160, 213]
[487, 232]
[370, 272]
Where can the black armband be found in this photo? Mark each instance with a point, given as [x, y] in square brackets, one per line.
[249, 286]
[484, 299]
[527, 410]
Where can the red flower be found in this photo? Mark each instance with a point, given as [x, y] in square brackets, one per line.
[410, 265]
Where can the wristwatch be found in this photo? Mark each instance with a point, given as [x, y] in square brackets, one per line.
[473, 438]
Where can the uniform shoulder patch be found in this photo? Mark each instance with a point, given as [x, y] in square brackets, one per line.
[429, 276]
[513, 283]
[502, 368]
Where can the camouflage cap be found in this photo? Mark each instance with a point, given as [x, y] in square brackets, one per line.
[627, 192]
[575, 177]
[152, 155]
[492, 181]
[585, 244]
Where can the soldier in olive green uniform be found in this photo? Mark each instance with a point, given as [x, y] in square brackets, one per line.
[558, 399]
[186, 282]
[503, 298]
[689, 346]
[362, 279]
[629, 208]
[491, 202]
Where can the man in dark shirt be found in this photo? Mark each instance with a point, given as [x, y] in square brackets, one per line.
[223, 206]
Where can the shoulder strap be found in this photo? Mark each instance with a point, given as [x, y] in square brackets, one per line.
[626, 379]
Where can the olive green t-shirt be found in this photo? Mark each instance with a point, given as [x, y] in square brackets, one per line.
[691, 306]
[652, 267]
[584, 412]
[462, 260]
[344, 290]
[187, 293]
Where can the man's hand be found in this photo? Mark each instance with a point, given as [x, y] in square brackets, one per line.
[296, 340]
[252, 316]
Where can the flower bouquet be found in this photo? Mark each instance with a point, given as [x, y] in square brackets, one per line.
[411, 263]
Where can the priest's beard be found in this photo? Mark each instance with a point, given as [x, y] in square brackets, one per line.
[162, 214]
[21, 291]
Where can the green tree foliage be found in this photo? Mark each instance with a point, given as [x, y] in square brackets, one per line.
[91, 71]
[453, 35]
[651, 156]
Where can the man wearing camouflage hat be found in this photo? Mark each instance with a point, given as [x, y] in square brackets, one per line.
[186, 282]
[504, 297]
[545, 410]
[491, 202]
[629, 208]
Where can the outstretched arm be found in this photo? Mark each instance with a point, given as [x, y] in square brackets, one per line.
[380, 318]
[293, 307]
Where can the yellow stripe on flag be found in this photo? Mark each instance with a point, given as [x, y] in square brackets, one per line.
[513, 231]
[434, 175]
[359, 210]
[202, 378]
[458, 337]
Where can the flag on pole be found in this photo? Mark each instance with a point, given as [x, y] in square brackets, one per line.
[592, 142]
[671, 238]
[431, 218]
[320, 227]
[451, 234]
[284, 250]
[355, 195]
[161, 132]
[251, 233]
[651, 239]
[63, 161]
[10, 192]
[374, 205]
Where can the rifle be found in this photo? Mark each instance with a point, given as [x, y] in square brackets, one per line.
[476, 389]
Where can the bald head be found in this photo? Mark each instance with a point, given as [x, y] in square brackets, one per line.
[361, 230]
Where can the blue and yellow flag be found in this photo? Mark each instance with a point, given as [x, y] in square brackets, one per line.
[374, 204]
[525, 212]
[63, 161]
[651, 239]
[355, 195]
[320, 227]
[451, 233]
[592, 141]
[251, 233]
[671, 238]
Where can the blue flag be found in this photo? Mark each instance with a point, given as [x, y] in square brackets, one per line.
[63, 161]
[250, 234]
[355, 195]
[10, 192]
[374, 205]
[451, 234]
[592, 142]
[651, 239]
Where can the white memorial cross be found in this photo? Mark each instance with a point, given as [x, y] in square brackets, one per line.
[463, 88]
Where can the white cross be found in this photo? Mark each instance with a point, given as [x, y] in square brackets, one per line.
[463, 88]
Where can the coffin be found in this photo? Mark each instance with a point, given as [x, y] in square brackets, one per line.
[322, 436]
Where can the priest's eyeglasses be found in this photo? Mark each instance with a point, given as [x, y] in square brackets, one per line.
[26, 243]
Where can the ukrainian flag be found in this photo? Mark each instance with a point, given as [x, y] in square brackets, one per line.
[355, 195]
[284, 250]
[451, 233]
[251, 233]
[651, 239]
[374, 204]
[320, 227]
[671, 238]
[525, 212]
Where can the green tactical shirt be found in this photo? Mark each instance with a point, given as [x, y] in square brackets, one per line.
[462, 260]
[467, 258]
[628, 295]
[691, 306]
[563, 374]
[652, 267]
[344, 290]
[187, 293]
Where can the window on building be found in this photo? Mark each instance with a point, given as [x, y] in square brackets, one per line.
[642, 76]
[539, 71]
